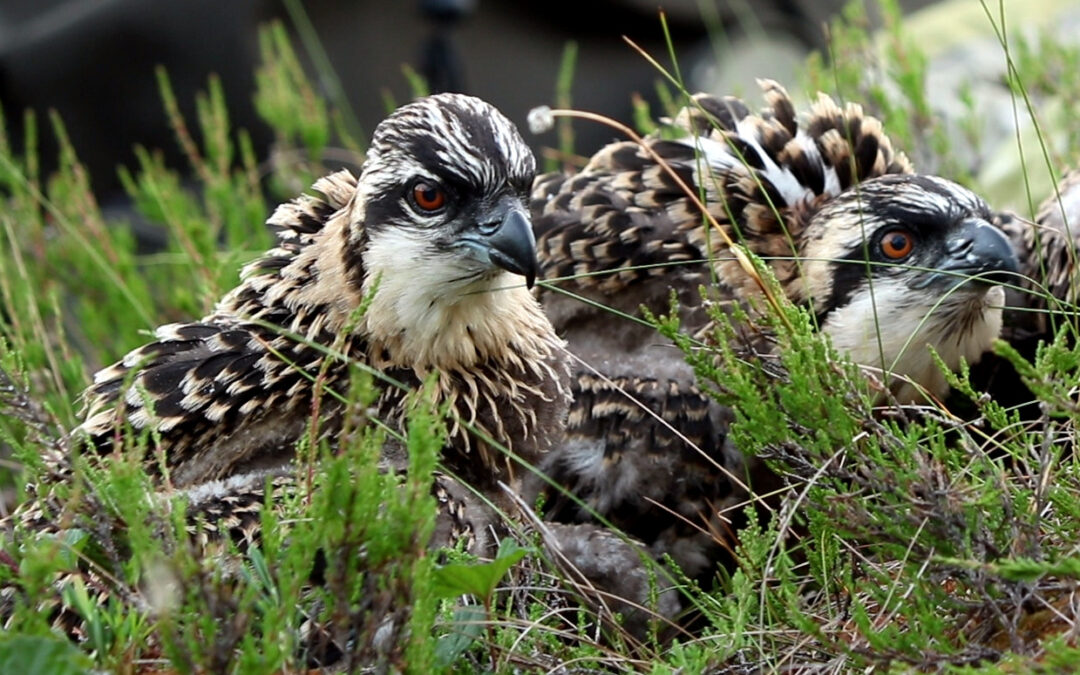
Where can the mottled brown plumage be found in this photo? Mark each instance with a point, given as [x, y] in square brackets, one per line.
[232, 393]
[820, 196]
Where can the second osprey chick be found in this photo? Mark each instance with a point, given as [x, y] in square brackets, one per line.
[870, 247]
[890, 262]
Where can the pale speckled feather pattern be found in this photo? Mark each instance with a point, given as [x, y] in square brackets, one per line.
[233, 391]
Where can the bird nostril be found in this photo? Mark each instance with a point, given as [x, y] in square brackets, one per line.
[961, 245]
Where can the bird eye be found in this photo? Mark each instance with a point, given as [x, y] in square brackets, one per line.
[897, 244]
[428, 196]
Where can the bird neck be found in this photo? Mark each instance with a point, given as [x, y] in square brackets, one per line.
[436, 326]
[960, 328]
[501, 369]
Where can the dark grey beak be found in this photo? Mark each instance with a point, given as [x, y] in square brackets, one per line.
[512, 246]
[977, 248]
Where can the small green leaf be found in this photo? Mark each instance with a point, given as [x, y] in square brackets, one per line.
[466, 628]
[44, 655]
[477, 579]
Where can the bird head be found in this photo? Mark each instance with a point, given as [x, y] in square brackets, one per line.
[439, 236]
[902, 262]
[442, 198]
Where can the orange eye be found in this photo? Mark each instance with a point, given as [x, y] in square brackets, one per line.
[428, 197]
[897, 244]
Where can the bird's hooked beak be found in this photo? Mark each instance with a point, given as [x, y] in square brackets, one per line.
[980, 250]
[509, 243]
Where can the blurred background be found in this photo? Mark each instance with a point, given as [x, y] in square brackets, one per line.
[93, 61]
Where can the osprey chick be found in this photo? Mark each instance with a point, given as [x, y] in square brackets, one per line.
[414, 269]
[834, 211]
[889, 261]
[435, 236]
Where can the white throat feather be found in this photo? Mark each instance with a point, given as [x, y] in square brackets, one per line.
[962, 327]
